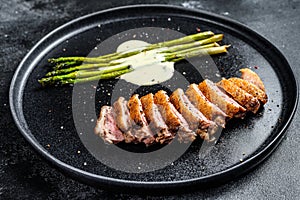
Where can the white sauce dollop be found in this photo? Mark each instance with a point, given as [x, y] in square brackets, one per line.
[148, 68]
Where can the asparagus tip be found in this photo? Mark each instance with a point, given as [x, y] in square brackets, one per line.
[49, 74]
[51, 60]
[41, 82]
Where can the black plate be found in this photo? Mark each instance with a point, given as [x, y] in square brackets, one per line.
[44, 116]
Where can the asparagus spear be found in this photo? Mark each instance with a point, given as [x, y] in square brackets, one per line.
[169, 56]
[80, 67]
[211, 40]
[183, 40]
[65, 64]
[197, 52]
[209, 49]
[110, 75]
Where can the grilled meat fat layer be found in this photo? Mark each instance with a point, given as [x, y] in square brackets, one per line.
[215, 95]
[141, 129]
[251, 89]
[250, 102]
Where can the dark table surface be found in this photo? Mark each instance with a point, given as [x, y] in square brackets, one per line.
[23, 174]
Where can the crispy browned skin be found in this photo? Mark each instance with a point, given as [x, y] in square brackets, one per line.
[161, 98]
[122, 116]
[155, 119]
[142, 131]
[136, 111]
[106, 126]
[194, 117]
[251, 89]
[173, 118]
[241, 96]
[252, 77]
[210, 110]
[220, 99]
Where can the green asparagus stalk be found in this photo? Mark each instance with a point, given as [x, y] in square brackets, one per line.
[80, 67]
[197, 52]
[75, 59]
[95, 59]
[175, 54]
[183, 40]
[110, 75]
[82, 74]
[211, 41]
[65, 64]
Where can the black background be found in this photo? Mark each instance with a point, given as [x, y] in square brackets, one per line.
[23, 174]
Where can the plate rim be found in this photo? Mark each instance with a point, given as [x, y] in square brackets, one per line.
[94, 179]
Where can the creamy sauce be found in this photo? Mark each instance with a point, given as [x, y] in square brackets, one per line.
[148, 68]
